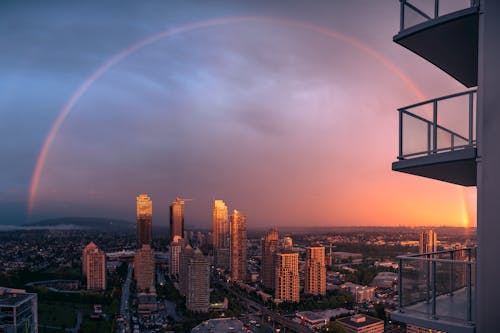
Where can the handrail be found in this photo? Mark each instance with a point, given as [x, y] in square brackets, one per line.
[438, 99]
[437, 252]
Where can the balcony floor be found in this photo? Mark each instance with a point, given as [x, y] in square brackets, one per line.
[450, 312]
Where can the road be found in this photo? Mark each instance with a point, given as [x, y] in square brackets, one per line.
[126, 294]
[285, 322]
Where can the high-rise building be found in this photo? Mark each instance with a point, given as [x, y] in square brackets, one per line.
[198, 282]
[144, 219]
[238, 249]
[270, 245]
[287, 243]
[18, 311]
[315, 273]
[144, 268]
[220, 224]
[175, 255]
[177, 219]
[186, 254]
[428, 241]
[287, 286]
[94, 267]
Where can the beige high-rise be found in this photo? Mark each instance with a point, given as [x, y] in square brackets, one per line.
[94, 267]
[220, 224]
[177, 219]
[238, 249]
[144, 268]
[270, 245]
[428, 241]
[315, 273]
[198, 282]
[144, 219]
[287, 288]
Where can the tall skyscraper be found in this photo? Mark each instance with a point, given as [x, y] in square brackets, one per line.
[287, 277]
[315, 274]
[94, 267]
[175, 255]
[238, 248]
[186, 254]
[144, 268]
[198, 282]
[428, 241]
[144, 219]
[177, 218]
[270, 244]
[220, 225]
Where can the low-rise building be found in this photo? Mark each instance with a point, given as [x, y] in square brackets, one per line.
[361, 293]
[18, 311]
[361, 323]
[232, 325]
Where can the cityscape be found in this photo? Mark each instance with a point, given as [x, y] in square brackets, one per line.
[248, 166]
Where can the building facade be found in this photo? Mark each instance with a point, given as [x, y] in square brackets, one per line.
[220, 234]
[198, 283]
[238, 249]
[94, 267]
[175, 255]
[186, 254]
[18, 311]
[287, 284]
[428, 241]
[270, 246]
[144, 268]
[144, 219]
[177, 219]
[361, 323]
[315, 272]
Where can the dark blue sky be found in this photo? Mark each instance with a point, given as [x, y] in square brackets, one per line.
[286, 124]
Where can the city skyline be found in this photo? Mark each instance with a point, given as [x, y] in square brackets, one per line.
[240, 143]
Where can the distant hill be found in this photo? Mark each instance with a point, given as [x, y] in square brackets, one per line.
[95, 223]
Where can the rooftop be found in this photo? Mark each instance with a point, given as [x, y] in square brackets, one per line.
[220, 325]
[359, 320]
[13, 297]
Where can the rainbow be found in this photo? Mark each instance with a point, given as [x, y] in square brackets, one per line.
[42, 157]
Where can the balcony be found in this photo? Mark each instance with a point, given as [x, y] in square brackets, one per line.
[436, 290]
[437, 139]
[443, 32]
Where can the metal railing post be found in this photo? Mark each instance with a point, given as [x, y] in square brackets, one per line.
[469, 292]
[428, 138]
[471, 118]
[434, 123]
[400, 285]
[402, 16]
[434, 292]
[428, 278]
[400, 134]
[452, 280]
[436, 8]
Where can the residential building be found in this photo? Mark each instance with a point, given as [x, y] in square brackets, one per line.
[287, 285]
[175, 255]
[287, 244]
[177, 218]
[186, 253]
[361, 323]
[315, 272]
[410, 328]
[18, 311]
[94, 267]
[144, 219]
[270, 246]
[144, 268]
[361, 293]
[198, 283]
[428, 241]
[238, 249]
[220, 234]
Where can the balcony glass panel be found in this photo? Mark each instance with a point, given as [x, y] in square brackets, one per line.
[439, 286]
[414, 12]
[438, 125]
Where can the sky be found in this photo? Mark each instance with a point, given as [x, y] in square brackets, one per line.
[285, 110]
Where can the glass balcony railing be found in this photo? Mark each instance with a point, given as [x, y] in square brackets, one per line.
[414, 12]
[438, 125]
[439, 285]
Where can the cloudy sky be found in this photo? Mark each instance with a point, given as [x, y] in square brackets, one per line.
[284, 109]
